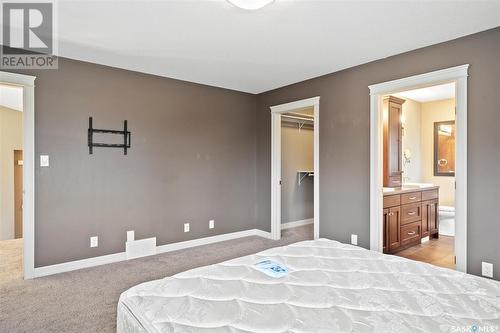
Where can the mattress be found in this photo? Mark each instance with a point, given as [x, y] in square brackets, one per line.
[330, 287]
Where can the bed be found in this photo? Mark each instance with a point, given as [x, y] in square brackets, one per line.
[330, 287]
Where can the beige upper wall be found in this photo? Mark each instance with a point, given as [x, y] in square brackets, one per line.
[433, 112]
[11, 138]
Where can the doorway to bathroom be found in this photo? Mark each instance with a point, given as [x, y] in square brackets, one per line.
[418, 184]
[427, 180]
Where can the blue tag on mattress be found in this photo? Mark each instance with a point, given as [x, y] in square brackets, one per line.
[272, 268]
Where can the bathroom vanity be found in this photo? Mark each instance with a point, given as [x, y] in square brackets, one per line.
[411, 212]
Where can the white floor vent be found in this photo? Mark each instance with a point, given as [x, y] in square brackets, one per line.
[140, 248]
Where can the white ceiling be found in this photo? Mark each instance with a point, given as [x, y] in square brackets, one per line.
[212, 42]
[11, 97]
[430, 94]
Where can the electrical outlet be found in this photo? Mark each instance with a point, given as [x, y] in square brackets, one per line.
[44, 160]
[130, 235]
[487, 269]
[354, 239]
[186, 227]
[211, 224]
[94, 241]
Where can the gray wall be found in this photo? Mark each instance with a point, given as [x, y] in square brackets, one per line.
[345, 143]
[297, 153]
[200, 152]
[192, 159]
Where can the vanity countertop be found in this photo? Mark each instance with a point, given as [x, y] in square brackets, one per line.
[408, 188]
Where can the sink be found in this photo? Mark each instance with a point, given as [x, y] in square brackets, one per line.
[418, 185]
[407, 186]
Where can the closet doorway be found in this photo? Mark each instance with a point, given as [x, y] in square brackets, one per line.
[304, 116]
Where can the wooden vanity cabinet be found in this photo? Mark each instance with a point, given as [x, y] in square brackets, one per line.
[407, 219]
[434, 218]
[392, 141]
[426, 217]
[393, 227]
[392, 224]
[385, 229]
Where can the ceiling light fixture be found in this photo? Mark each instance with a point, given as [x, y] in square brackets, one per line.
[250, 4]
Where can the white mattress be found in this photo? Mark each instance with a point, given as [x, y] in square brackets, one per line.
[331, 287]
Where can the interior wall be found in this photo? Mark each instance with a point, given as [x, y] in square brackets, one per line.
[200, 152]
[11, 138]
[192, 159]
[432, 112]
[412, 170]
[345, 140]
[297, 153]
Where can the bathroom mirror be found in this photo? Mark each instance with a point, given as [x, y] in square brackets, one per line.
[444, 148]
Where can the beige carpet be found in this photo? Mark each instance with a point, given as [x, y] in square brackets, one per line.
[11, 260]
[85, 300]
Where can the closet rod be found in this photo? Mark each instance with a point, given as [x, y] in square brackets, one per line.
[298, 118]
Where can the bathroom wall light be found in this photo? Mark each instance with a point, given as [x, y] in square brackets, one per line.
[403, 122]
[250, 4]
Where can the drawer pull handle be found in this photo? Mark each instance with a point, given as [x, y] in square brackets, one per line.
[411, 213]
[411, 233]
[412, 198]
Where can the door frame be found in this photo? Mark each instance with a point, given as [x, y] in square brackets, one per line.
[276, 112]
[27, 82]
[458, 75]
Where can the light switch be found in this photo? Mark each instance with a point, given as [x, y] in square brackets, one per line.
[130, 235]
[44, 160]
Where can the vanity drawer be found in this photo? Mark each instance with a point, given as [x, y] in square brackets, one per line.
[411, 213]
[429, 195]
[392, 200]
[410, 233]
[411, 197]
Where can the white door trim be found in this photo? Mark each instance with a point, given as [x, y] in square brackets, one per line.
[276, 112]
[458, 75]
[28, 84]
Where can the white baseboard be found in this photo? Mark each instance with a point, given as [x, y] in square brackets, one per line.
[262, 233]
[294, 224]
[122, 256]
[79, 264]
[209, 240]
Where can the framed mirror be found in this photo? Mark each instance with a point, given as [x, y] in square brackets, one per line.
[444, 148]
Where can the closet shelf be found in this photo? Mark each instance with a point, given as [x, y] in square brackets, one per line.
[304, 173]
